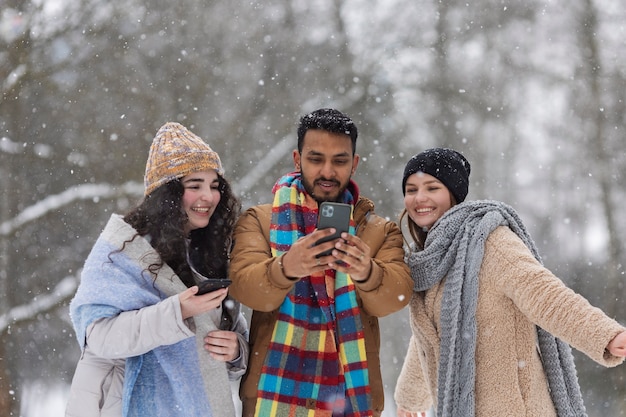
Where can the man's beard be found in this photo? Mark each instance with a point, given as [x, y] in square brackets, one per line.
[308, 187]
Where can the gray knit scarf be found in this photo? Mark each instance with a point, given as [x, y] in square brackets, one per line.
[454, 249]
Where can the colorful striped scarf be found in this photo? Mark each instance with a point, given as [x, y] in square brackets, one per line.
[316, 363]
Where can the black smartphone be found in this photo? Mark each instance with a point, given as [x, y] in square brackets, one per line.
[336, 215]
[212, 285]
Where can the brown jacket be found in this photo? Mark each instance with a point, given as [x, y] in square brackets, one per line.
[259, 283]
[515, 293]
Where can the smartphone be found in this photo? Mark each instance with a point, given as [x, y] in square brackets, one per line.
[336, 215]
[212, 285]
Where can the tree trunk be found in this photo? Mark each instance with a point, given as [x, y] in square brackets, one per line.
[599, 148]
[7, 396]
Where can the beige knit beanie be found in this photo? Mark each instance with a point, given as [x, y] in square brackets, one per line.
[176, 152]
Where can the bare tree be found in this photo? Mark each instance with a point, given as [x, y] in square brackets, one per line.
[85, 86]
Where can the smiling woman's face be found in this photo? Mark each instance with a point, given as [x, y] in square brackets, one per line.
[426, 199]
[201, 197]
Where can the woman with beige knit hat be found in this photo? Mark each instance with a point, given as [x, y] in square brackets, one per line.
[151, 344]
[492, 327]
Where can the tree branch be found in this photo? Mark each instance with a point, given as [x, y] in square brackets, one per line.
[56, 201]
[63, 291]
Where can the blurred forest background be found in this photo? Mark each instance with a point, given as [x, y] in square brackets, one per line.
[532, 92]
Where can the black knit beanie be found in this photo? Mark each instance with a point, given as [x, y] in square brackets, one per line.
[447, 165]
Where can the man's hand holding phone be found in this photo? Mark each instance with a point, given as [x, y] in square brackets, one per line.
[354, 258]
[314, 253]
[352, 253]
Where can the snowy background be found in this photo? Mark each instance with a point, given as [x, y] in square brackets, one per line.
[532, 92]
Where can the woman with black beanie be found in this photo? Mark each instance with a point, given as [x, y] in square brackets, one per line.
[492, 327]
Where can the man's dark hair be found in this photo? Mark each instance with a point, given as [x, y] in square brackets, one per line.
[330, 120]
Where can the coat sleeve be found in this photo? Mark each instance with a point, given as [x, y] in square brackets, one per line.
[546, 301]
[238, 367]
[389, 287]
[97, 386]
[258, 281]
[412, 393]
[135, 332]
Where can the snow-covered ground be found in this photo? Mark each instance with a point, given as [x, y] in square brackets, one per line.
[41, 400]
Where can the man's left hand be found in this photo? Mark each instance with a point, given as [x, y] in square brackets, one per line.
[354, 254]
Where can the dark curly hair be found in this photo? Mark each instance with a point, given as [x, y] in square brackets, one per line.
[161, 216]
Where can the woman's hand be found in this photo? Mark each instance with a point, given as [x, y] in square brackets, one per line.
[192, 304]
[617, 346]
[223, 345]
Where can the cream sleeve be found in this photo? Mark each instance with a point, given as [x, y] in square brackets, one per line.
[412, 392]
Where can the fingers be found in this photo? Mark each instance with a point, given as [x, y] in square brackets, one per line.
[347, 254]
[217, 295]
[303, 258]
[222, 345]
[192, 305]
[617, 346]
[354, 253]
[320, 247]
[356, 248]
[188, 293]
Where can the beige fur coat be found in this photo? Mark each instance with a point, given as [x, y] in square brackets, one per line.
[515, 293]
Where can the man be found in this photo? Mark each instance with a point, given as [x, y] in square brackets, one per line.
[314, 337]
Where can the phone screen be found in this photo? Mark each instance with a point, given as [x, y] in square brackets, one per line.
[336, 215]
